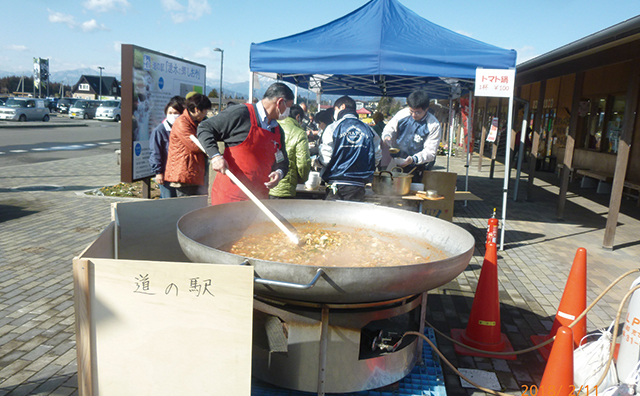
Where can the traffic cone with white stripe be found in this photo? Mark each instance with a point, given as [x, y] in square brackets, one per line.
[572, 304]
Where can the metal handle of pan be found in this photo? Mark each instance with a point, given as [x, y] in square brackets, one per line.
[389, 172]
[290, 285]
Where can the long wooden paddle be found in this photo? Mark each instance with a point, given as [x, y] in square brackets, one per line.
[291, 233]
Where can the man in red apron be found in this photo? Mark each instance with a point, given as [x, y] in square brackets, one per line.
[254, 145]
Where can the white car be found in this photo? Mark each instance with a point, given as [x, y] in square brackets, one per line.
[84, 109]
[24, 109]
[109, 110]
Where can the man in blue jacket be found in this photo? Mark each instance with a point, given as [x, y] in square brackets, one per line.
[349, 153]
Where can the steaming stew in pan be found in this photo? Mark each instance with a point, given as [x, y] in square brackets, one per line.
[329, 245]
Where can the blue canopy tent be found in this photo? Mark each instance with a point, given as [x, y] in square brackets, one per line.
[380, 49]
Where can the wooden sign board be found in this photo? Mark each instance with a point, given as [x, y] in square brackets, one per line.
[163, 328]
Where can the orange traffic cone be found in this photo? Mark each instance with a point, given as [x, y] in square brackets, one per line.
[573, 302]
[557, 379]
[483, 329]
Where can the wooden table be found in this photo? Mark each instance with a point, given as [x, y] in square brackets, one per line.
[466, 196]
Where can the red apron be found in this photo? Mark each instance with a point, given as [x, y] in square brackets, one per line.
[250, 161]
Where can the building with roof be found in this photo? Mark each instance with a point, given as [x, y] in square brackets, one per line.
[88, 87]
[583, 116]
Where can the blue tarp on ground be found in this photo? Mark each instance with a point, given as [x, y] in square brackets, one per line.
[382, 47]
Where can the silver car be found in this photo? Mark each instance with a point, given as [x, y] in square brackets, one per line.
[24, 109]
[109, 110]
[84, 109]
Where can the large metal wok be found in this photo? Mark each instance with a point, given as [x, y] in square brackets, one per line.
[203, 231]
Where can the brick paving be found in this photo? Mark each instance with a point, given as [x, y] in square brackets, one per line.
[42, 229]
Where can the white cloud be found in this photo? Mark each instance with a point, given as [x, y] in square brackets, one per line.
[87, 27]
[206, 53]
[90, 26]
[14, 47]
[179, 18]
[172, 5]
[195, 10]
[526, 53]
[117, 46]
[107, 5]
[199, 8]
[58, 17]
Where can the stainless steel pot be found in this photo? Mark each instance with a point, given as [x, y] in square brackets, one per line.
[203, 231]
[391, 183]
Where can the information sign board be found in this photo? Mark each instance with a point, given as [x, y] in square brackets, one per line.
[149, 80]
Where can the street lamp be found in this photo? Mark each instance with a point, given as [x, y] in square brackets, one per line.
[100, 89]
[221, 51]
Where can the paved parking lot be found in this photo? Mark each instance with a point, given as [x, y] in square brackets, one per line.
[42, 229]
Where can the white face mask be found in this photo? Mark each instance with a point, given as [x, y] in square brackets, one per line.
[171, 118]
[285, 114]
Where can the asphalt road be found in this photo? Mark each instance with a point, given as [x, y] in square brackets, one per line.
[61, 138]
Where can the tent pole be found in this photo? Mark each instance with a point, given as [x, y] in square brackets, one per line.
[523, 136]
[469, 136]
[251, 77]
[507, 172]
[449, 127]
[295, 99]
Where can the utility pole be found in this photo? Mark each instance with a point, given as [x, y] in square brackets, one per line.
[221, 51]
[100, 89]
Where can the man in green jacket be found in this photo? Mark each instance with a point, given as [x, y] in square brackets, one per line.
[298, 152]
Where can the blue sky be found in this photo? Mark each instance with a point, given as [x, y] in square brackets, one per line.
[76, 34]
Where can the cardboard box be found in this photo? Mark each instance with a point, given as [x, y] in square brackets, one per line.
[445, 184]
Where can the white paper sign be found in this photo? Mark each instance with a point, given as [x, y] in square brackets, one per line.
[496, 83]
[493, 132]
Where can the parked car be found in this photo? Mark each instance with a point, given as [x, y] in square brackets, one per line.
[52, 104]
[3, 100]
[84, 109]
[109, 110]
[24, 109]
[65, 103]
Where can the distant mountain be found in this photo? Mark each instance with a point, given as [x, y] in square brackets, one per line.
[71, 77]
[4, 74]
[241, 89]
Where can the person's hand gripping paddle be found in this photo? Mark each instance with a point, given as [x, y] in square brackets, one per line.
[289, 230]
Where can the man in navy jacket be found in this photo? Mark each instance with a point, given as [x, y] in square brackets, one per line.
[349, 153]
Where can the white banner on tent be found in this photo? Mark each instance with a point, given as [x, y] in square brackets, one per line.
[496, 83]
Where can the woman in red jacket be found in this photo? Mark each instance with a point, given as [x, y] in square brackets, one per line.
[186, 163]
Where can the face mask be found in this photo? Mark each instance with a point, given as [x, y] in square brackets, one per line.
[285, 114]
[171, 118]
